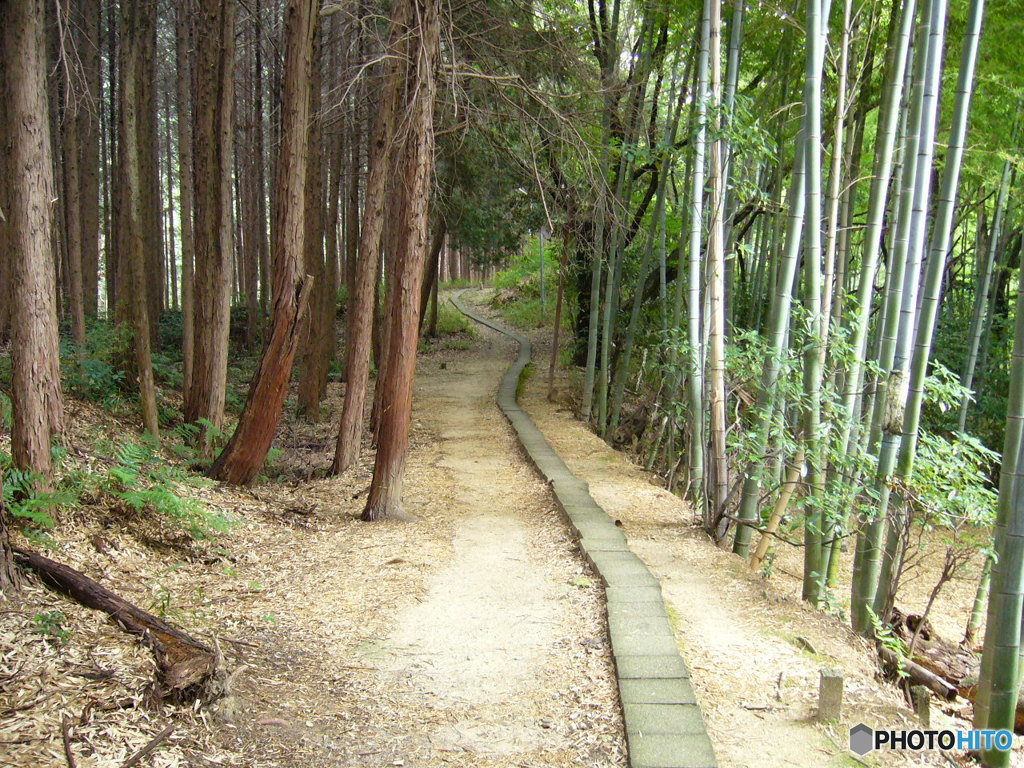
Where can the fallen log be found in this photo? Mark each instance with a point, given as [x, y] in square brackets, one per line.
[182, 661]
[954, 665]
[920, 675]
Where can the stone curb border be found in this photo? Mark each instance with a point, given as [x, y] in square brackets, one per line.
[664, 726]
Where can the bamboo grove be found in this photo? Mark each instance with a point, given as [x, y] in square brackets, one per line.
[788, 236]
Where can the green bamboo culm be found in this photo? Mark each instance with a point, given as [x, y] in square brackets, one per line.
[812, 576]
[979, 604]
[974, 334]
[941, 237]
[996, 703]
[884, 433]
[911, 404]
[778, 335]
[695, 363]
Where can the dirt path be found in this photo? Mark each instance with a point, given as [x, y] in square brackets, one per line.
[756, 681]
[754, 649]
[472, 637]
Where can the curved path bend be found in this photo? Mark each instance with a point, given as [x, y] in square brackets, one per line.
[663, 722]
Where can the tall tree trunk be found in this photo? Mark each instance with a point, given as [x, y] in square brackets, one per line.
[385, 496]
[133, 255]
[312, 366]
[6, 297]
[241, 459]
[695, 333]
[981, 299]
[352, 196]
[213, 235]
[932, 286]
[865, 573]
[8, 573]
[88, 147]
[149, 164]
[262, 247]
[716, 292]
[35, 354]
[811, 420]
[896, 387]
[999, 680]
[114, 232]
[73, 193]
[363, 300]
[183, 46]
[431, 271]
[172, 248]
[251, 225]
[894, 336]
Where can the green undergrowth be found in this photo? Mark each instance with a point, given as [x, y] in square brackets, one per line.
[454, 330]
[128, 479]
[454, 285]
[517, 288]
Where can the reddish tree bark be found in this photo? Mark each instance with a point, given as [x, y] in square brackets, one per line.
[241, 459]
[364, 296]
[354, 168]
[430, 275]
[385, 497]
[37, 402]
[262, 246]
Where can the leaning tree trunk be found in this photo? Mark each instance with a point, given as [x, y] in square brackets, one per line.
[35, 354]
[358, 345]
[385, 497]
[242, 457]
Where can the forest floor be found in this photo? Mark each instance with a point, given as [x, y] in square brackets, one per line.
[472, 637]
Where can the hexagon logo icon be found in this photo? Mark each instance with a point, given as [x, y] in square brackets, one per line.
[862, 739]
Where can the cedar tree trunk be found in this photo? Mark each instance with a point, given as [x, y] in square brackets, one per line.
[241, 459]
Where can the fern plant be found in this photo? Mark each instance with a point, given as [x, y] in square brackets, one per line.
[23, 499]
[144, 482]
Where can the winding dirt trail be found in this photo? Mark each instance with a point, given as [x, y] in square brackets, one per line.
[472, 637]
